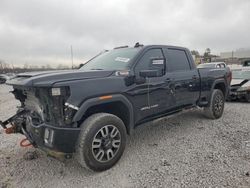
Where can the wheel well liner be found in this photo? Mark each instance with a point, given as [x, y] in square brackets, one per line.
[221, 86]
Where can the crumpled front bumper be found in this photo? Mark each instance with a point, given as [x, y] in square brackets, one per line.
[49, 138]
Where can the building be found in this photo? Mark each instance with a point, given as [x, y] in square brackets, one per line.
[236, 57]
[241, 53]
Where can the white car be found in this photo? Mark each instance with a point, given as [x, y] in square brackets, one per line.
[240, 85]
[3, 78]
[212, 65]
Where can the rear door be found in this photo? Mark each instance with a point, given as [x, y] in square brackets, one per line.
[184, 78]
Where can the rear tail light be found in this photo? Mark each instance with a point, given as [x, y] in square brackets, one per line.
[230, 76]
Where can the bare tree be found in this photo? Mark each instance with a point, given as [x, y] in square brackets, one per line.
[207, 55]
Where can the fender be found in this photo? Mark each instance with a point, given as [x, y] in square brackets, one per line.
[97, 101]
[217, 81]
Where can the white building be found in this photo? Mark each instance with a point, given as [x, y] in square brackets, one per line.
[241, 53]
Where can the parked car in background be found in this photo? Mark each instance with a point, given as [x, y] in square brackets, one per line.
[240, 85]
[246, 63]
[3, 78]
[212, 65]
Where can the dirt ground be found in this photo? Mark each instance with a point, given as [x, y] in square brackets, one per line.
[184, 151]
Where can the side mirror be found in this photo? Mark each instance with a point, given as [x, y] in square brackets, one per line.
[81, 65]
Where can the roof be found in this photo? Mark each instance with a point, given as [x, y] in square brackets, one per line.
[165, 46]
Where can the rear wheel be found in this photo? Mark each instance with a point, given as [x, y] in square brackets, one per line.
[216, 107]
[101, 141]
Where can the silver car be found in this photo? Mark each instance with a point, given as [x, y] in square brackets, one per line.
[212, 65]
[240, 85]
[3, 78]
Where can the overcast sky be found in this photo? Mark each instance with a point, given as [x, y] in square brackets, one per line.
[41, 31]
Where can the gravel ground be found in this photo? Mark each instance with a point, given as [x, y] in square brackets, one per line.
[184, 151]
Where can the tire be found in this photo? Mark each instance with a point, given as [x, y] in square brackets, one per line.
[216, 107]
[101, 141]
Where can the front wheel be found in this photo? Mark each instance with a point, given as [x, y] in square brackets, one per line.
[101, 141]
[216, 106]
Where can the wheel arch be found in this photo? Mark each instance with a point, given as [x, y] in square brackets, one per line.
[221, 85]
[117, 105]
[218, 84]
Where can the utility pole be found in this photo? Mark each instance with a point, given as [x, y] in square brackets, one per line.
[71, 56]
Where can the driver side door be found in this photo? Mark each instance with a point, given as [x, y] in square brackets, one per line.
[153, 92]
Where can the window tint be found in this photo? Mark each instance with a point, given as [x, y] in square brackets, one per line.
[144, 63]
[177, 60]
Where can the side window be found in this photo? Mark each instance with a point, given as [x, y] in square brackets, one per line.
[145, 61]
[177, 60]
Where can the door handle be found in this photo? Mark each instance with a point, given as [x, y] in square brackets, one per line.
[168, 80]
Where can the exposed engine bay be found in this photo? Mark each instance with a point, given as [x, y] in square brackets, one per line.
[41, 105]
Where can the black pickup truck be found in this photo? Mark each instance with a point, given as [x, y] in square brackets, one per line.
[89, 112]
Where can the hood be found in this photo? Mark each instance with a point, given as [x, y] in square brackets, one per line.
[238, 82]
[48, 78]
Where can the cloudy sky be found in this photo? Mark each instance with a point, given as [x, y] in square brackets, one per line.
[41, 31]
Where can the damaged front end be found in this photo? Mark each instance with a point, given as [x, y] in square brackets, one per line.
[45, 118]
[240, 91]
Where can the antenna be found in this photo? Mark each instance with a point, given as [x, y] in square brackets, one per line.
[71, 49]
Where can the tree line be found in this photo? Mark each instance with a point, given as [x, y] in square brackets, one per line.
[10, 68]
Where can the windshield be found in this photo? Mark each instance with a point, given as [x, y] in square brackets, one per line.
[118, 59]
[239, 74]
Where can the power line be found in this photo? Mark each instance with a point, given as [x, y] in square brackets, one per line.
[72, 56]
